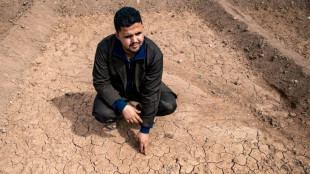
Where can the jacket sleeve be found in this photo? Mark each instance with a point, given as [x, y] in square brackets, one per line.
[101, 77]
[150, 93]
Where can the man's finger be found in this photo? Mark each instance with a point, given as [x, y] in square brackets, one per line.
[139, 119]
[137, 139]
[141, 147]
[134, 120]
[137, 111]
[145, 149]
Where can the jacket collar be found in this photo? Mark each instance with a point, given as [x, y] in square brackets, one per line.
[119, 52]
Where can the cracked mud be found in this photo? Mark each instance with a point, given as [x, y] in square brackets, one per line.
[228, 120]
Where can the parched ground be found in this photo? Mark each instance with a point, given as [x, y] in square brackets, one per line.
[243, 98]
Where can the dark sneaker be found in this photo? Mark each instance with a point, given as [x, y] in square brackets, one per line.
[110, 124]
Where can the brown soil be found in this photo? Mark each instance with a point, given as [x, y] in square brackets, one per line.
[287, 20]
[240, 69]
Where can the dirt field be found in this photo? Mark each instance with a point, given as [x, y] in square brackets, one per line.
[241, 70]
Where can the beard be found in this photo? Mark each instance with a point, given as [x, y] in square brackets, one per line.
[134, 50]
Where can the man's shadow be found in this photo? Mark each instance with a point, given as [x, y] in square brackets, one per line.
[77, 107]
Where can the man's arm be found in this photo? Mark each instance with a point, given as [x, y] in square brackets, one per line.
[150, 91]
[101, 76]
[150, 95]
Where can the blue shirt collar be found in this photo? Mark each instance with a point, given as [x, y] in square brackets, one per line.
[119, 52]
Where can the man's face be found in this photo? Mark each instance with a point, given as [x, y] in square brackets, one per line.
[131, 37]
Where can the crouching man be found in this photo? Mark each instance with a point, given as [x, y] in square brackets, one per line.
[128, 67]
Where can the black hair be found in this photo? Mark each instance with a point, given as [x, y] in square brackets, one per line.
[125, 17]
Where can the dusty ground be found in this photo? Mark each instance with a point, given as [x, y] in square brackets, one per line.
[243, 95]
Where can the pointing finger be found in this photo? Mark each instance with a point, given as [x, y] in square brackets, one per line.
[141, 147]
[145, 149]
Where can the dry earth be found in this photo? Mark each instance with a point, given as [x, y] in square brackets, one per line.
[242, 83]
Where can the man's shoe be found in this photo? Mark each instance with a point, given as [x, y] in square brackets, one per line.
[110, 124]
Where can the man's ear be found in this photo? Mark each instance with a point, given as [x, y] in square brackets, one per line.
[116, 34]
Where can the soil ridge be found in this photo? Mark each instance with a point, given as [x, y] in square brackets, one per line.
[279, 65]
[19, 47]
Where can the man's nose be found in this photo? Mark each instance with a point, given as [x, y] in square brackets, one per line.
[134, 39]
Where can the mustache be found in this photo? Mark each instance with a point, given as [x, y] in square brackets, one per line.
[134, 43]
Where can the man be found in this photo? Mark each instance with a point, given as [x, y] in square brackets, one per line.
[128, 67]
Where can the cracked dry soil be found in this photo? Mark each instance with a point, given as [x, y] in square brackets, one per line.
[232, 115]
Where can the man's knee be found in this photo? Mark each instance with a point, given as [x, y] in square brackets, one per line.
[171, 107]
[167, 106]
[102, 112]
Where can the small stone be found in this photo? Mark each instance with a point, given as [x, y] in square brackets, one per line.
[180, 61]
[3, 130]
[252, 57]
[43, 48]
[68, 94]
[19, 94]
[168, 135]
[210, 45]
[295, 81]
[11, 102]
[273, 58]
[292, 114]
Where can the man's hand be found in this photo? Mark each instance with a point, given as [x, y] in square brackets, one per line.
[143, 140]
[131, 114]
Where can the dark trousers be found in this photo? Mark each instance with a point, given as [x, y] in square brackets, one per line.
[103, 112]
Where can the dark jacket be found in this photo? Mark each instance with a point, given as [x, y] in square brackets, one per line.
[110, 80]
